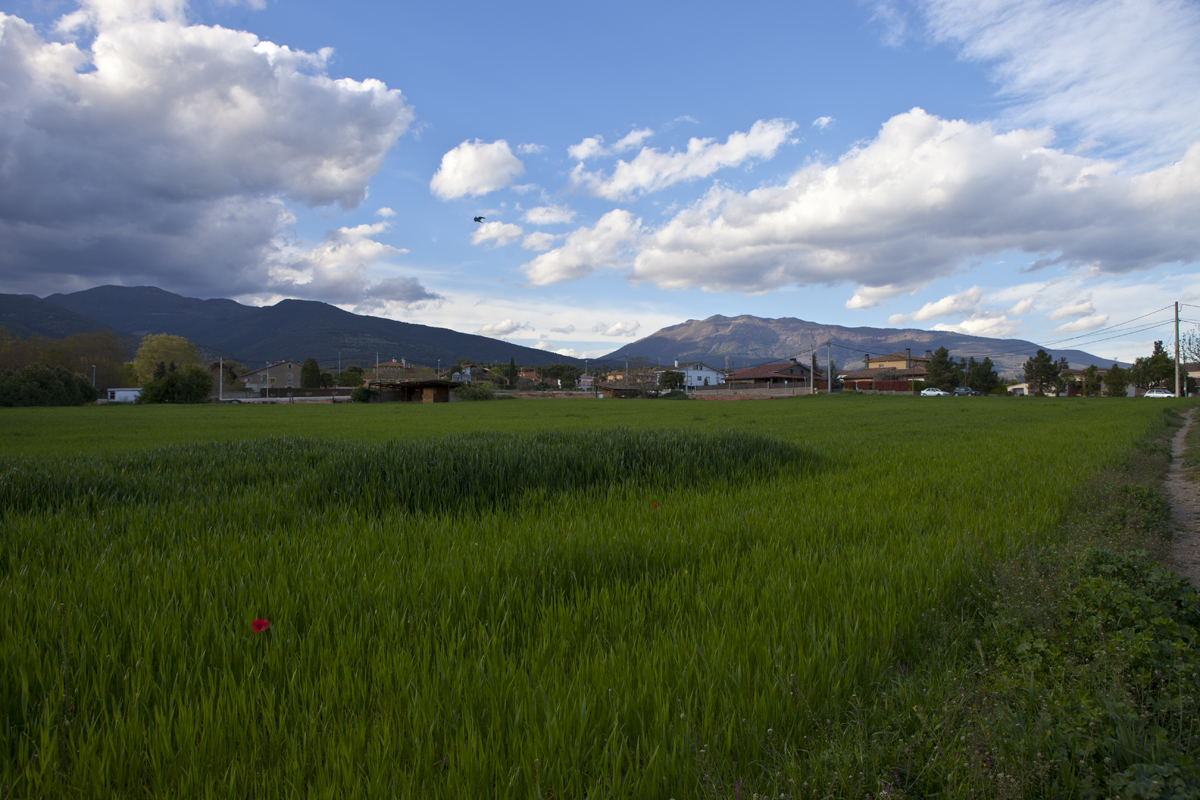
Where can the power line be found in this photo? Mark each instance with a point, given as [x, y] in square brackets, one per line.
[1108, 328]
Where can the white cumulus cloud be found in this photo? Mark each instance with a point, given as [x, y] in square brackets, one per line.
[632, 140]
[988, 323]
[160, 152]
[539, 241]
[1084, 324]
[385, 212]
[1082, 308]
[568, 329]
[589, 148]
[617, 329]
[950, 305]
[339, 270]
[503, 328]
[652, 170]
[602, 246]
[475, 168]
[498, 233]
[822, 122]
[913, 204]
[549, 215]
[1023, 306]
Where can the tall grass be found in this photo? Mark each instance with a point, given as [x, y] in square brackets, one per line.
[541, 619]
[455, 473]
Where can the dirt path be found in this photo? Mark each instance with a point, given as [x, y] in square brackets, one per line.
[1184, 495]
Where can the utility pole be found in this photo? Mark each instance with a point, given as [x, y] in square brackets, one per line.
[339, 362]
[1177, 394]
[220, 378]
[1176, 346]
[829, 365]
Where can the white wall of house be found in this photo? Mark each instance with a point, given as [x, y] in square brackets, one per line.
[697, 373]
[126, 395]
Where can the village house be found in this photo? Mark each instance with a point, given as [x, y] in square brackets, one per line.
[697, 374]
[393, 371]
[780, 375]
[278, 377]
[887, 373]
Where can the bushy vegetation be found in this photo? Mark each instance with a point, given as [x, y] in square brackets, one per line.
[170, 384]
[78, 354]
[612, 600]
[39, 385]
[470, 392]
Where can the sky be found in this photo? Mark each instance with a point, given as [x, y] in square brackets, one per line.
[1005, 168]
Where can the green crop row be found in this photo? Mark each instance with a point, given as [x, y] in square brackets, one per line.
[456, 473]
[586, 611]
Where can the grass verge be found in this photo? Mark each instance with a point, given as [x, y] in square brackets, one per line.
[1070, 671]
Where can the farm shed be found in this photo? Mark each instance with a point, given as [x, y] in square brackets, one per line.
[612, 390]
[427, 391]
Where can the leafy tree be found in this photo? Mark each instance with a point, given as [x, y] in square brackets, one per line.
[670, 380]
[191, 384]
[512, 371]
[327, 380]
[1090, 384]
[525, 384]
[942, 372]
[981, 376]
[361, 395]
[39, 385]
[475, 392]
[162, 348]
[348, 377]
[1116, 381]
[1189, 346]
[1154, 370]
[641, 375]
[310, 374]
[98, 355]
[1041, 372]
[567, 373]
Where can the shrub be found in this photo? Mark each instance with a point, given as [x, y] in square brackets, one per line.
[39, 385]
[469, 392]
[675, 394]
[361, 394]
[188, 385]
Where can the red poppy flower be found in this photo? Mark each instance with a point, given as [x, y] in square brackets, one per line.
[259, 625]
[656, 505]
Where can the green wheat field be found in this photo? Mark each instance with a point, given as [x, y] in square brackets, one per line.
[521, 599]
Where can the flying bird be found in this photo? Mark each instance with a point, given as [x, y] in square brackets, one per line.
[479, 219]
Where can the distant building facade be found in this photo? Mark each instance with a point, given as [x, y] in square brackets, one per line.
[280, 376]
[125, 395]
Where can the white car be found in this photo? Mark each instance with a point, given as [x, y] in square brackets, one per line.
[1159, 393]
[933, 391]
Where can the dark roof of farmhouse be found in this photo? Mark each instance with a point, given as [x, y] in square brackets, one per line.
[767, 371]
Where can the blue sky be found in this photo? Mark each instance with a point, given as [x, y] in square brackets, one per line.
[1002, 168]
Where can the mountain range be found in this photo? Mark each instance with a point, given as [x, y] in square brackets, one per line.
[747, 340]
[290, 329]
[298, 329]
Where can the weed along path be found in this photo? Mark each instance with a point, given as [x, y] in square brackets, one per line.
[1183, 490]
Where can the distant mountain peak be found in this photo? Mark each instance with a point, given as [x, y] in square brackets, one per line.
[746, 340]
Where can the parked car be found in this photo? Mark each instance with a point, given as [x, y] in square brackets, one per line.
[933, 391]
[1159, 393]
[965, 391]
